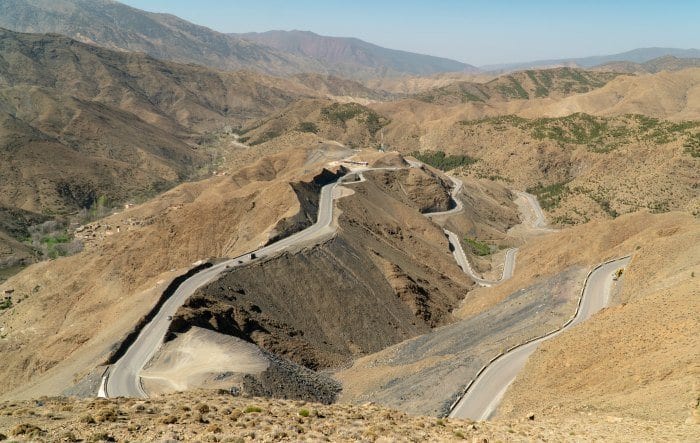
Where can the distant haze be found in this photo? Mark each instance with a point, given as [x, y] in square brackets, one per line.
[477, 32]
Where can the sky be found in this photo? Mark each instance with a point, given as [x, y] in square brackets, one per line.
[477, 32]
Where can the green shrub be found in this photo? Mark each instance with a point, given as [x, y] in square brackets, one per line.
[250, 409]
[439, 160]
[340, 113]
[549, 196]
[477, 247]
[304, 412]
[307, 127]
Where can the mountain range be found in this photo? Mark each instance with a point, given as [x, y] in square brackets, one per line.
[280, 53]
[639, 55]
[164, 36]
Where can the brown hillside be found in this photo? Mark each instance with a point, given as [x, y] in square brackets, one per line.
[79, 122]
[350, 123]
[524, 85]
[69, 313]
[637, 358]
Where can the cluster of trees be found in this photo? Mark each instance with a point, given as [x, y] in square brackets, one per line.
[442, 161]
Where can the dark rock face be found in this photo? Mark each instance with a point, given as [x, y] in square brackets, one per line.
[371, 285]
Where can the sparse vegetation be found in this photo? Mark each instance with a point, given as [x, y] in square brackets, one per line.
[513, 89]
[549, 196]
[307, 127]
[598, 134]
[477, 247]
[27, 430]
[52, 240]
[463, 92]
[604, 203]
[692, 145]
[438, 159]
[5, 304]
[265, 137]
[282, 421]
[341, 113]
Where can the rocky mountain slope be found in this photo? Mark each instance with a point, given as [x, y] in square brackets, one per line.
[80, 307]
[116, 26]
[350, 123]
[637, 358]
[348, 55]
[80, 122]
[396, 280]
[131, 255]
[567, 159]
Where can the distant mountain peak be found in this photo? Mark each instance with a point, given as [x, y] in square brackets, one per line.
[638, 55]
[117, 26]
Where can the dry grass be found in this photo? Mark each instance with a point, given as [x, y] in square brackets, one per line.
[212, 416]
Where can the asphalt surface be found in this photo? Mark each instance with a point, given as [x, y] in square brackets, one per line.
[486, 392]
[461, 258]
[123, 378]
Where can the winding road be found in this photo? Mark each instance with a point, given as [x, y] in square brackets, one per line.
[461, 258]
[123, 379]
[485, 393]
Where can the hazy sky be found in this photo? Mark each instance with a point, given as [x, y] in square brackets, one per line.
[472, 31]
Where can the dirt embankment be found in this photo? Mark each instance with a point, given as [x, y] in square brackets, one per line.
[386, 276]
[420, 189]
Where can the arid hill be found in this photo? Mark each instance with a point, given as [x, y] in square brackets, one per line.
[554, 83]
[350, 123]
[80, 306]
[634, 359]
[639, 55]
[581, 166]
[120, 27]
[80, 122]
[666, 63]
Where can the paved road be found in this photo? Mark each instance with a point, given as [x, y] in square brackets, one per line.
[461, 258]
[484, 395]
[123, 377]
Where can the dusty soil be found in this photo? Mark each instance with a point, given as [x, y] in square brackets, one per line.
[198, 356]
[388, 269]
[209, 416]
[636, 359]
[425, 375]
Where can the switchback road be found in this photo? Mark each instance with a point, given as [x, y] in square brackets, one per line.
[486, 391]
